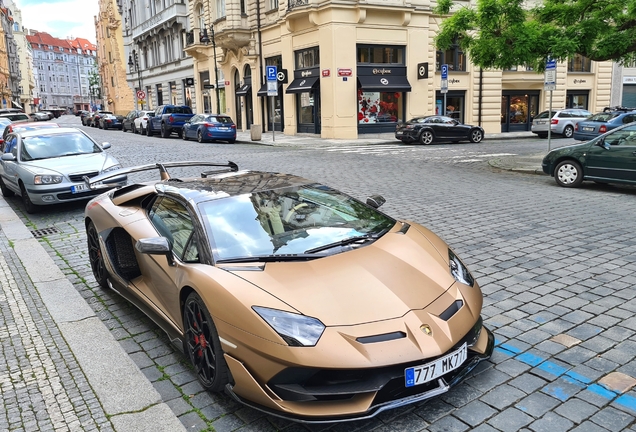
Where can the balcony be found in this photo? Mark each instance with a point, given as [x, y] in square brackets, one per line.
[177, 12]
[291, 4]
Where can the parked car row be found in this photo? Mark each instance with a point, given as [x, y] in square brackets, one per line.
[581, 124]
[167, 120]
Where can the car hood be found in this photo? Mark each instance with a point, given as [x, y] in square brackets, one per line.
[384, 280]
[73, 164]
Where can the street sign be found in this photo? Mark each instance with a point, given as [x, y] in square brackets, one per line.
[208, 86]
[344, 72]
[282, 76]
[444, 72]
[271, 73]
[141, 94]
[444, 88]
[549, 77]
[422, 70]
[326, 73]
[272, 88]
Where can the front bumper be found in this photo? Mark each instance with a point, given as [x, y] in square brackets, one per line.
[61, 193]
[406, 135]
[312, 395]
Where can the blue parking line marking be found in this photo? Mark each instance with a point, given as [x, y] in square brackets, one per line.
[569, 376]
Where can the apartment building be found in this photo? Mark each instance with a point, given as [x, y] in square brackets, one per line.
[355, 67]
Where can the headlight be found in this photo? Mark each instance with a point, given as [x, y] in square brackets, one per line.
[459, 270]
[113, 168]
[47, 179]
[295, 329]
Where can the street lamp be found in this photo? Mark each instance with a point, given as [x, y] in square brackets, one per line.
[134, 65]
[206, 40]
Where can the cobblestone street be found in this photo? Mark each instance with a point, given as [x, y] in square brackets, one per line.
[557, 268]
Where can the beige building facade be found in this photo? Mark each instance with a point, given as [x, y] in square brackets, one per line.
[117, 95]
[353, 68]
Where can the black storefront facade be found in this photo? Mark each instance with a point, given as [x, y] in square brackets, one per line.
[306, 87]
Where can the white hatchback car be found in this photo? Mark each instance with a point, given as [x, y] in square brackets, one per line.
[141, 121]
[561, 123]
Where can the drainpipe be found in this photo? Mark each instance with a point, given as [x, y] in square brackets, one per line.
[260, 59]
[481, 95]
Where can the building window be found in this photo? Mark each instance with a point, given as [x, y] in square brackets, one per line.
[380, 54]
[307, 58]
[273, 4]
[454, 57]
[201, 17]
[159, 95]
[220, 8]
[243, 10]
[579, 63]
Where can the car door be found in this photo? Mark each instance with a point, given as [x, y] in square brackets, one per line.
[617, 159]
[9, 169]
[162, 278]
[192, 126]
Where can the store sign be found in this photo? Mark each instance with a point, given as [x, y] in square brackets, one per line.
[422, 71]
[326, 73]
[629, 80]
[344, 72]
[189, 82]
[306, 73]
[579, 81]
[382, 71]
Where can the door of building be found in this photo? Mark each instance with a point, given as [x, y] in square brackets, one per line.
[518, 108]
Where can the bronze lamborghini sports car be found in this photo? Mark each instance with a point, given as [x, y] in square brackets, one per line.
[291, 296]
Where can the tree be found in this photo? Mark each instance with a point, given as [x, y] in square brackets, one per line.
[501, 34]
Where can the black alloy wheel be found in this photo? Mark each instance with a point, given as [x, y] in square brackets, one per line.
[202, 345]
[95, 256]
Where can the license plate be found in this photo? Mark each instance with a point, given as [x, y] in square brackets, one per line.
[588, 129]
[422, 374]
[224, 128]
[540, 122]
[78, 188]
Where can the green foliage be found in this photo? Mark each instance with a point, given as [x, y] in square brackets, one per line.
[503, 33]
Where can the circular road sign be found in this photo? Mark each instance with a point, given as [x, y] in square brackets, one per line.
[141, 94]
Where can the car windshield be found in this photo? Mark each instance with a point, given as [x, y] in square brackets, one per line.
[544, 115]
[292, 220]
[219, 119]
[178, 110]
[603, 117]
[58, 145]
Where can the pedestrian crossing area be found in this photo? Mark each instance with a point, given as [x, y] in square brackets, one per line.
[449, 155]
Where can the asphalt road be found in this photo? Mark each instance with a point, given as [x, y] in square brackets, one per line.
[557, 268]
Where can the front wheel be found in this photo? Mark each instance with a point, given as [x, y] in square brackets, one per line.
[200, 136]
[164, 131]
[568, 174]
[28, 204]
[95, 256]
[183, 135]
[426, 137]
[133, 129]
[202, 346]
[148, 130]
[476, 136]
[568, 131]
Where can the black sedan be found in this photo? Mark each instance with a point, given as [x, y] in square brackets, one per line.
[433, 128]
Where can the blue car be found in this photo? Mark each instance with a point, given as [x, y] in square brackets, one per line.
[210, 127]
[602, 122]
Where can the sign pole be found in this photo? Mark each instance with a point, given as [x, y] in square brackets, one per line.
[444, 87]
[273, 120]
[549, 84]
[550, 121]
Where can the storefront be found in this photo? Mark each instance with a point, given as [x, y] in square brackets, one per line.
[454, 106]
[578, 99]
[381, 97]
[306, 87]
[518, 108]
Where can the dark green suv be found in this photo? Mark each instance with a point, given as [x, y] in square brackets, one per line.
[609, 158]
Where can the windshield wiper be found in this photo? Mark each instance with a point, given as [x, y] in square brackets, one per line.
[363, 238]
[268, 258]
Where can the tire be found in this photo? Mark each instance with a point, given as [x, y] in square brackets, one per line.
[542, 135]
[476, 136]
[426, 137]
[28, 204]
[231, 141]
[568, 173]
[133, 129]
[164, 131]
[123, 128]
[200, 137]
[201, 345]
[568, 132]
[183, 135]
[148, 130]
[6, 192]
[180, 133]
[95, 256]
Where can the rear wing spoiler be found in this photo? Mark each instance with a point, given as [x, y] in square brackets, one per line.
[96, 183]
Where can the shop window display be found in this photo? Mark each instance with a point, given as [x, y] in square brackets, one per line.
[379, 107]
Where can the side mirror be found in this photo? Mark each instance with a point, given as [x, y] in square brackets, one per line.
[7, 157]
[105, 145]
[602, 143]
[155, 246]
[375, 201]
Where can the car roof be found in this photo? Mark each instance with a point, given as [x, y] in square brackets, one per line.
[50, 131]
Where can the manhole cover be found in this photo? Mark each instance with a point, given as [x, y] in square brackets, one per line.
[44, 232]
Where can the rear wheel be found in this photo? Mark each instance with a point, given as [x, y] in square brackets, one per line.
[202, 346]
[6, 192]
[231, 141]
[200, 136]
[568, 174]
[426, 137]
[568, 131]
[28, 204]
[95, 256]
[164, 131]
[476, 136]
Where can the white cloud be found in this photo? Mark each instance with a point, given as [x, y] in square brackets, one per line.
[62, 19]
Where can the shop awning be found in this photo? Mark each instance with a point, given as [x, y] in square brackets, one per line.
[301, 85]
[17, 105]
[244, 90]
[381, 83]
[263, 90]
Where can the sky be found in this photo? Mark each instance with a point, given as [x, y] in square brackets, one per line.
[60, 18]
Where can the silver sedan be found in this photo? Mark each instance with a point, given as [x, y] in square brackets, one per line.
[48, 166]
